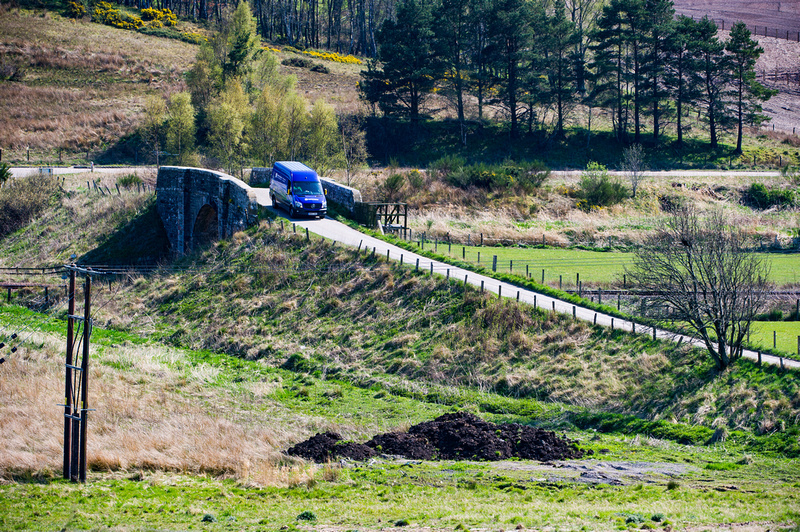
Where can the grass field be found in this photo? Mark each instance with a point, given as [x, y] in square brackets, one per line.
[182, 439]
[592, 268]
[786, 334]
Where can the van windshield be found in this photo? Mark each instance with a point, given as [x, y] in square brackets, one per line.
[306, 188]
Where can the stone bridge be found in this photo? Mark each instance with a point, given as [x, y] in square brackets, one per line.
[199, 206]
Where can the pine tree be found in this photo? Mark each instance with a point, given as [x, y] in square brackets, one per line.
[681, 79]
[560, 46]
[481, 77]
[744, 52]
[509, 34]
[659, 15]
[713, 69]
[634, 14]
[407, 68]
[451, 28]
[242, 42]
[609, 65]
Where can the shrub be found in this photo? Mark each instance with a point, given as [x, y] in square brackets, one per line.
[318, 67]
[104, 13]
[333, 56]
[597, 189]
[521, 177]
[415, 179]
[443, 167]
[392, 186]
[761, 197]
[149, 13]
[5, 173]
[307, 515]
[165, 16]
[76, 9]
[171, 33]
[193, 38]
[11, 68]
[129, 181]
[298, 62]
[22, 199]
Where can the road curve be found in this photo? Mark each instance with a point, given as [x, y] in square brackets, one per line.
[341, 233]
[336, 231]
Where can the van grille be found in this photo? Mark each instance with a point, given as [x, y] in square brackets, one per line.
[312, 206]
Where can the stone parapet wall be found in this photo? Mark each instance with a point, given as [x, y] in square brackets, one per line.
[343, 196]
[260, 176]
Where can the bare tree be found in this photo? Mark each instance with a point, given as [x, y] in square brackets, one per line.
[633, 166]
[699, 270]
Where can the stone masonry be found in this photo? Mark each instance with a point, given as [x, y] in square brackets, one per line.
[198, 205]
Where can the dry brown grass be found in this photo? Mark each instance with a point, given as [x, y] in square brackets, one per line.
[439, 209]
[99, 216]
[150, 416]
[82, 85]
[93, 40]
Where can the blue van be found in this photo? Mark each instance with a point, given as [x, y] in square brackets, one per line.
[297, 188]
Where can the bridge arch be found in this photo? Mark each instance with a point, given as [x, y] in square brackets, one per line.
[198, 206]
[206, 227]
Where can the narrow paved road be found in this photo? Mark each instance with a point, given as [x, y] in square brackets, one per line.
[339, 232]
[343, 234]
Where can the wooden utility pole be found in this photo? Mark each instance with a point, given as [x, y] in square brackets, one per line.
[76, 406]
[68, 375]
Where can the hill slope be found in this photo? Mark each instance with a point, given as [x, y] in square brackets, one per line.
[363, 347]
[272, 296]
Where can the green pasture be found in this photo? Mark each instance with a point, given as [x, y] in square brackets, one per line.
[785, 335]
[590, 267]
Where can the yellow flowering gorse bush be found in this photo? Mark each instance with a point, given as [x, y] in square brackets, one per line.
[165, 16]
[333, 56]
[105, 13]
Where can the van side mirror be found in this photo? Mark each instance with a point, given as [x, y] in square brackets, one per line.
[289, 191]
[325, 191]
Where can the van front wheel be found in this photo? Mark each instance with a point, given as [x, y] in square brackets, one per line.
[291, 211]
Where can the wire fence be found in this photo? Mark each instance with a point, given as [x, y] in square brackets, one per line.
[425, 240]
[757, 30]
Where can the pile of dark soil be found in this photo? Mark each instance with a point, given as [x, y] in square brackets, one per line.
[327, 446]
[459, 436]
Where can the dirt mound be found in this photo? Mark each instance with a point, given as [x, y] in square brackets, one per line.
[327, 446]
[413, 446]
[459, 436]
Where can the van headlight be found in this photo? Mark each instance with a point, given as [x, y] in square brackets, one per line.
[298, 204]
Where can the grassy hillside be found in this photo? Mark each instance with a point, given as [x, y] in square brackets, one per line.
[181, 439]
[270, 295]
[206, 369]
[79, 86]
